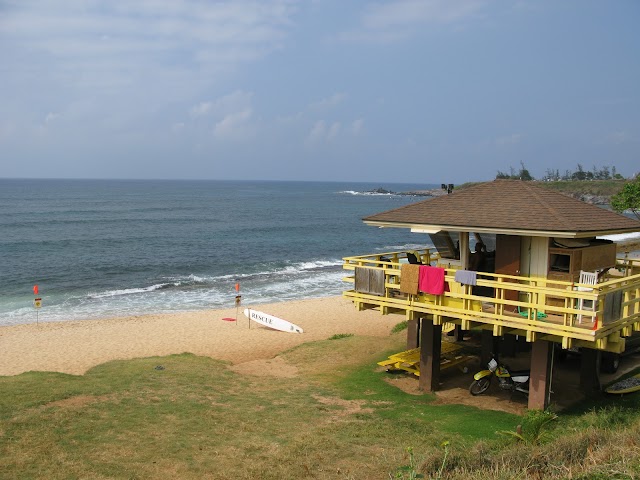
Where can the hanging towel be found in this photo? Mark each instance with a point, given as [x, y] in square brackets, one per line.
[362, 280]
[431, 280]
[409, 275]
[466, 277]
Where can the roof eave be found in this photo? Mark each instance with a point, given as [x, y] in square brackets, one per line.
[523, 232]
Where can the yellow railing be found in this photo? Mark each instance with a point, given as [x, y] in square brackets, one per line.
[597, 316]
[628, 266]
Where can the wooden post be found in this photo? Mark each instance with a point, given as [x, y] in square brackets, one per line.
[590, 370]
[430, 348]
[539, 381]
[458, 334]
[487, 347]
[508, 345]
[413, 334]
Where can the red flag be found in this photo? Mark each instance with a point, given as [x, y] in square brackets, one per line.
[35, 289]
[237, 287]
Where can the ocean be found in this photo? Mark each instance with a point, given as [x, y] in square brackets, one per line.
[107, 248]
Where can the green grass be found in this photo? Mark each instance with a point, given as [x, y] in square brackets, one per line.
[340, 418]
[338, 336]
[399, 327]
[594, 187]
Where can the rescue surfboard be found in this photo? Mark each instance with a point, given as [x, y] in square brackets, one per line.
[628, 385]
[271, 321]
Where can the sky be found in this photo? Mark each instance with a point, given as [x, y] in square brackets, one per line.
[414, 91]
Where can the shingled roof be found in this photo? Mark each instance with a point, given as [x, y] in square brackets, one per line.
[508, 206]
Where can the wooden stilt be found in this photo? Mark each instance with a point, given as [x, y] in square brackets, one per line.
[430, 348]
[413, 334]
[508, 346]
[539, 383]
[458, 334]
[590, 370]
[487, 347]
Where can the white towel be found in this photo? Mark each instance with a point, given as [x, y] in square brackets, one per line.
[466, 277]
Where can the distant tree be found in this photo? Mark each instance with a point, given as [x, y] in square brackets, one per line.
[579, 174]
[615, 175]
[523, 174]
[628, 198]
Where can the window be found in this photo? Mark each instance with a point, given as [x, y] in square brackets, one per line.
[447, 244]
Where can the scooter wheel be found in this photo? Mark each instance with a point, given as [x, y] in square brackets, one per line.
[478, 387]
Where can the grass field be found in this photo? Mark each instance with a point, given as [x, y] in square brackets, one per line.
[605, 188]
[192, 417]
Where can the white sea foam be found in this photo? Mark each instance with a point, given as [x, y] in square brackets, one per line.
[622, 236]
[403, 248]
[225, 229]
[128, 291]
[377, 194]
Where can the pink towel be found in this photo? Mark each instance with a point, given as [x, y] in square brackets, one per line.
[431, 280]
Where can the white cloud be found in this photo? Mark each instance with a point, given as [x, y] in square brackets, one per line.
[317, 133]
[234, 125]
[225, 104]
[50, 117]
[323, 133]
[333, 131]
[411, 12]
[230, 114]
[392, 21]
[200, 109]
[330, 102]
[158, 49]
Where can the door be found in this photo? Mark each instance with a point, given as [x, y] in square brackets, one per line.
[508, 259]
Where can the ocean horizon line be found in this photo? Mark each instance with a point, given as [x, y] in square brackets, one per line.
[204, 180]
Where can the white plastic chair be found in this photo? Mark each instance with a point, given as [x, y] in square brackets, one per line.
[586, 278]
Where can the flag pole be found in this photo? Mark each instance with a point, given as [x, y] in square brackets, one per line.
[36, 303]
[238, 300]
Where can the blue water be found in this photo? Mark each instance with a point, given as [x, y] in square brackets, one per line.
[103, 248]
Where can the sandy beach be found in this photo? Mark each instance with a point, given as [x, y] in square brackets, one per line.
[75, 347]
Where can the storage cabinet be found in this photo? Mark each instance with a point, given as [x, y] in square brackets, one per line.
[566, 263]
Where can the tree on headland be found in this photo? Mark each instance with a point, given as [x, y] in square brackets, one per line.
[551, 175]
[628, 198]
[523, 174]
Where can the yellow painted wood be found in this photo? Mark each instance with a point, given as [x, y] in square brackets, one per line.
[409, 360]
[472, 311]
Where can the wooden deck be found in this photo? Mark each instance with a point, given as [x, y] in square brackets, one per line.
[544, 309]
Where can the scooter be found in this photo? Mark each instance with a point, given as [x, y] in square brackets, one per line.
[512, 381]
